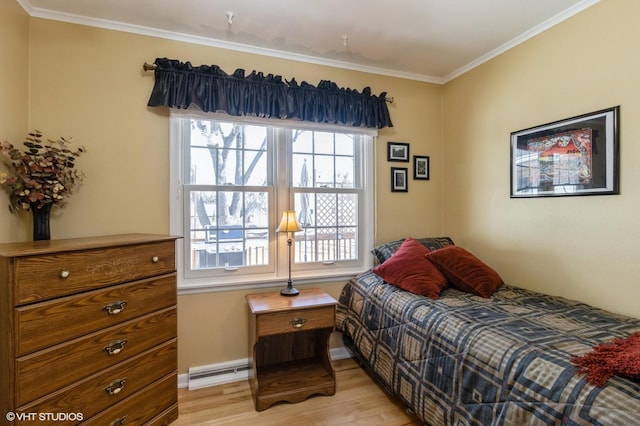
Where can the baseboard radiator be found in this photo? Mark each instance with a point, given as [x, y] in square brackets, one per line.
[232, 371]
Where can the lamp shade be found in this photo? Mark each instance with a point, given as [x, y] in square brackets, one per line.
[289, 222]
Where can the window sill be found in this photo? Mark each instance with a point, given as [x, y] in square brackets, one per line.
[213, 285]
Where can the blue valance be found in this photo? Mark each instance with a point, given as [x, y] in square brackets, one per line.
[181, 85]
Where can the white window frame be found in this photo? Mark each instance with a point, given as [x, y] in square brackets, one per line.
[302, 273]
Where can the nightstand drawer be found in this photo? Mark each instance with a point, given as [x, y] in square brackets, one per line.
[60, 274]
[295, 320]
[47, 323]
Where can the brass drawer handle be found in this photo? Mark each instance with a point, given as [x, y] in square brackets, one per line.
[119, 422]
[155, 259]
[115, 387]
[116, 347]
[297, 322]
[64, 274]
[115, 307]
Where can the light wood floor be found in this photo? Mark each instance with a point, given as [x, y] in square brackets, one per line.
[358, 401]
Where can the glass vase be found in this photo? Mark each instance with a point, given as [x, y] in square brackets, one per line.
[41, 222]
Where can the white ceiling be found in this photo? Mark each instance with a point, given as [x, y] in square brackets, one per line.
[426, 40]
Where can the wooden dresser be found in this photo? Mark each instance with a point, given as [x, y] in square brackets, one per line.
[88, 331]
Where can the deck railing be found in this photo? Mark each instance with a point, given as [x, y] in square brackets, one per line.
[321, 250]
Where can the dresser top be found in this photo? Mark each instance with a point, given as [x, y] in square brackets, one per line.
[30, 248]
[271, 302]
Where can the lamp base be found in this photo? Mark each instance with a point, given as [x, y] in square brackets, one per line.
[289, 291]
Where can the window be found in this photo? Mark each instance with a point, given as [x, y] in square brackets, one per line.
[232, 177]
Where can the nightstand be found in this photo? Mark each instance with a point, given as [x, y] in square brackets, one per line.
[289, 346]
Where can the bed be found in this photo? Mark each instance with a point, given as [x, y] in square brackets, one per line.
[464, 359]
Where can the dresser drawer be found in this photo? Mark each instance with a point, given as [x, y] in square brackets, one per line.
[143, 406]
[96, 393]
[42, 372]
[295, 320]
[44, 324]
[60, 274]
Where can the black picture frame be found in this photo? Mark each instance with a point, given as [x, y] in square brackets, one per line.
[399, 179]
[574, 156]
[421, 167]
[398, 151]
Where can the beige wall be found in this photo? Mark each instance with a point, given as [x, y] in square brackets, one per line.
[14, 77]
[583, 248]
[88, 83]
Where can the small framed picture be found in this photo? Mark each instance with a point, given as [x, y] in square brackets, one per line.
[421, 167]
[398, 151]
[399, 179]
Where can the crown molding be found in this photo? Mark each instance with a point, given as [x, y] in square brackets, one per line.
[222, 44]
[26, 5]
[549, 23]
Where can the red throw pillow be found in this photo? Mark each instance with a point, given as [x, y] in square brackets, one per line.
[465, 271]
[411, 271]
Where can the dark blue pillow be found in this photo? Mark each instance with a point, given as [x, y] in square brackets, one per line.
[386, 250]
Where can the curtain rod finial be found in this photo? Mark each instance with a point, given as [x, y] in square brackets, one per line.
[148, 67]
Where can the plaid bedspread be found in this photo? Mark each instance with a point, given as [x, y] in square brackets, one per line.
[465, 360]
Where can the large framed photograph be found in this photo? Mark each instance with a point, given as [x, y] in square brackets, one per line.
[398, 151]
[574, 156]
[420, 167]
[399, 181]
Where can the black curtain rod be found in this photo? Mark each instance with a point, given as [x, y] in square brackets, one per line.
[151, 67]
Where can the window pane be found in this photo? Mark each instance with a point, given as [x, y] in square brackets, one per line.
[228, 154]
[344, 172]
[347, 209]
[323, 171]
[229, 162]
[329, 224]
[302, 141]
[229, 229]
[305, 207]
[254, 137]
[323, 143]
[344, 144]
[255, 168]
[302, 170]
[203, 166]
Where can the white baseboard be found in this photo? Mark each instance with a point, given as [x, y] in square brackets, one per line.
[232, 371]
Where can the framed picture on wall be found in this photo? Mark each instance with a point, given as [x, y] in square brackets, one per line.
[574, 156]
[420, 167]
[399, 181]
[398, 151]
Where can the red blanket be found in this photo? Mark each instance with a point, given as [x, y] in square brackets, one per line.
[620, 357]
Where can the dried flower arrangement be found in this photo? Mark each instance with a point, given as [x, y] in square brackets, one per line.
[44, 173]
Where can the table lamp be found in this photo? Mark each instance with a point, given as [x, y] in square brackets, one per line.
[289, 223]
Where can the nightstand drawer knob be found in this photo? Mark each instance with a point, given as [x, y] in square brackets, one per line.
[116, 347]
[64, 274]
[115, 307]
[155, 259]
[298, 322]
[115, 387]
